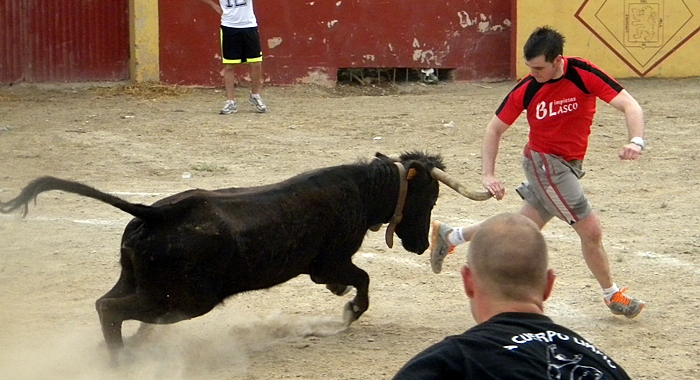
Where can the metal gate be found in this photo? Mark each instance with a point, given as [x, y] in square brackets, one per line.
[64, 40]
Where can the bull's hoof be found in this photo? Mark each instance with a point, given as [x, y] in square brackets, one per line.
[351, 313]
[338, 289]
[121, 357]
[142, 335]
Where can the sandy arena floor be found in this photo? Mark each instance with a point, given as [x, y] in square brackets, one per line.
[138, 142]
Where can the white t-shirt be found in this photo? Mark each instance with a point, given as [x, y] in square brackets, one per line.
[238, 13]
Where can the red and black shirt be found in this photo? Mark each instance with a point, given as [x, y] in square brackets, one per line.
[560, 111]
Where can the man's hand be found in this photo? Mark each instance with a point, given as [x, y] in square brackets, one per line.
[630, 151]
[494, 186]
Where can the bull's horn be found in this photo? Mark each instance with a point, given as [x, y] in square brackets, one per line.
[458, 187]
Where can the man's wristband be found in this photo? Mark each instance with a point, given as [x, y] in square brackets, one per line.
[638, 141]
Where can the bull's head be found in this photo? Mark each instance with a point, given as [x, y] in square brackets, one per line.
[423, 173]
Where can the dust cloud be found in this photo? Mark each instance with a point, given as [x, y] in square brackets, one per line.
[186, 350]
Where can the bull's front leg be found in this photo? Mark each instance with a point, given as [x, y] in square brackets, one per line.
[339, 289]
[355, 308]
[358, 305]
[338, 279]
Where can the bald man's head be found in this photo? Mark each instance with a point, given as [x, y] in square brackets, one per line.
[508, 256]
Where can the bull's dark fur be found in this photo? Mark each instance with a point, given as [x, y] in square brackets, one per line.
[186, 253]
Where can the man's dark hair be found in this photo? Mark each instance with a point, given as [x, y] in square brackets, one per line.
[544, 41]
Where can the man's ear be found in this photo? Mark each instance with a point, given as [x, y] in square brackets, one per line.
[551, 277]
[468, 281]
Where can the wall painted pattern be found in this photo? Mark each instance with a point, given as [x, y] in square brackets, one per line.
[626, 38]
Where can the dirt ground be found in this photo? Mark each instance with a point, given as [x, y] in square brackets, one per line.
[139, 141]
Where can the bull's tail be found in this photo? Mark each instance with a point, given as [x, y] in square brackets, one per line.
[42, 184]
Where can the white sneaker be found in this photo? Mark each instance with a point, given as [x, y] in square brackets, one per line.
[440, 247]
[257, 102]
[229, 108]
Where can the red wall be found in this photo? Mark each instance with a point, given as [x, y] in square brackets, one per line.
[303, 40]
[63, 40]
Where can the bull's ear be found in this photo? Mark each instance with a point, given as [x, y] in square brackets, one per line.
[416, 170]
[411, 173]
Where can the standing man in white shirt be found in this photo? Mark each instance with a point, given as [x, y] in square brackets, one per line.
[240, 43]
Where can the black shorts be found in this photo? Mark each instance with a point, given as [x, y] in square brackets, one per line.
[239, 45]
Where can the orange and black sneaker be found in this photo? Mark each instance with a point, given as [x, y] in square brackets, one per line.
[440, 247]
[620, 304]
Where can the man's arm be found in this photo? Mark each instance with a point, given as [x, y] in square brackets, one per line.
[489, 151]
[214, 5]
[634, 118]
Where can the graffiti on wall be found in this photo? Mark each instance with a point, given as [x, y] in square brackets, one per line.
[643, 33]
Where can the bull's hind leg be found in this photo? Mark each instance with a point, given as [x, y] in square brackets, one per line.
[111, 318]
[335, 276]
[110, 321]
[114, 311]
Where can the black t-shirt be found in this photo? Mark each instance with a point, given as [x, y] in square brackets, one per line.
[521, 346]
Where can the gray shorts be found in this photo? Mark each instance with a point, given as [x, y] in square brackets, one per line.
[553, 187]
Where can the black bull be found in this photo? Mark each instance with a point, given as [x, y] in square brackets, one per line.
[186, 253]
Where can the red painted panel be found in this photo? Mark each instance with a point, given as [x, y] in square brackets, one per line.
[311, 38]
[11, 31]
[189, 43]
[64, 40]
